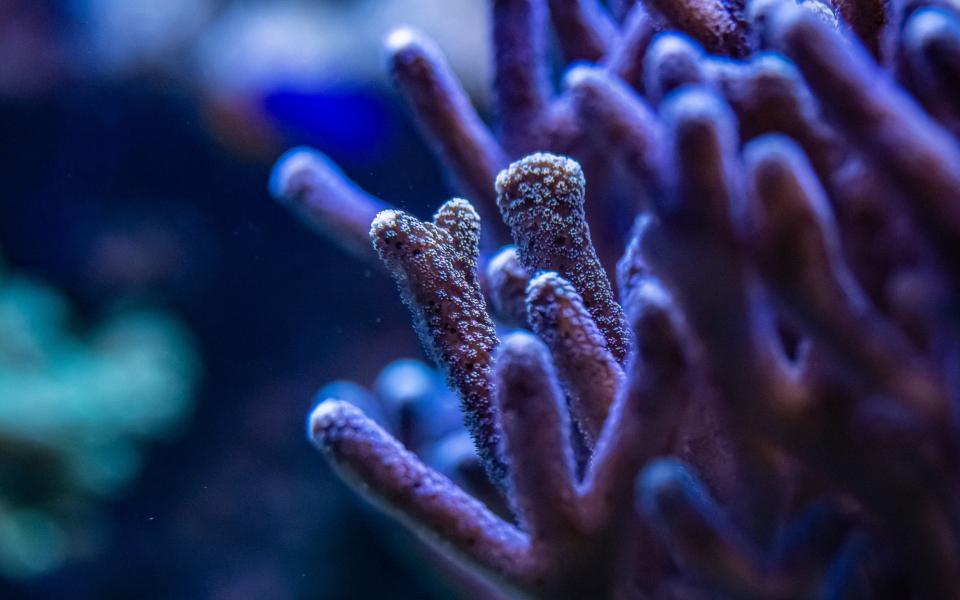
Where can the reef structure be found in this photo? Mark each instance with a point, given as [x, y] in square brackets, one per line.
[764, 404]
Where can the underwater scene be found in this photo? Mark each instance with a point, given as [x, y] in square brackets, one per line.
[480, 299]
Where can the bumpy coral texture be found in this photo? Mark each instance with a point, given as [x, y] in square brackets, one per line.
[764, 406]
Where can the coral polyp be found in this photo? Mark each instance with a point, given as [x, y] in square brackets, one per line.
[763, 403]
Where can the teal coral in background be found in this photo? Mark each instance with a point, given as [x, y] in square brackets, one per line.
[77, 406]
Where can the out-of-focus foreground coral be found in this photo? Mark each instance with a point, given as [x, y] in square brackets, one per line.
[766, 405]
[77, 408]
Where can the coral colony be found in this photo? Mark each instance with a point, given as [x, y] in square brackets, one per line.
[763, 407]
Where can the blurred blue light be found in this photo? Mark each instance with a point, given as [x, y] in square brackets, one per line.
[351, 124]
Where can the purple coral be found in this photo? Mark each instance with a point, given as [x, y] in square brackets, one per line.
[768, 410]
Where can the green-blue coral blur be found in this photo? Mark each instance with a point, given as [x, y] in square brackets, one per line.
[77, 407]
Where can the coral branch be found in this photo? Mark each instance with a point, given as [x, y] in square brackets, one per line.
[535, 428]
[381, 469]
[625, 59]
[620, 119]
[931, 49]
[521, 83]
[445, 114]
[449, 315]
[458, 218]
[541, 200]
[704, 187]
[585, 30]
[507, 287]
[673, 60]
[589, 373]
[325, 198]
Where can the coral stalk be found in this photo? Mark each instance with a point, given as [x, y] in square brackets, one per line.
[449, 311]
[541, 200]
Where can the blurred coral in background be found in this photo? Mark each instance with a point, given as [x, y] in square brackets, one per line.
[78, 407]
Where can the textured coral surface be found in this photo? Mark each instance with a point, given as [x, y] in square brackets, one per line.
[763, 404]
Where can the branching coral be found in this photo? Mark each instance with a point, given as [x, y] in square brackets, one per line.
[768, 410]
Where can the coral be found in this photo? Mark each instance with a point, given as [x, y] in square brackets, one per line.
[77, 409]
[766, 408]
